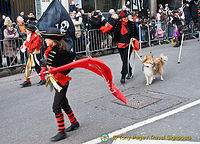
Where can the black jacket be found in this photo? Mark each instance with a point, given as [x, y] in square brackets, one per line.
[96, 23]
[117, 31]
[1, 28]
[57, 58]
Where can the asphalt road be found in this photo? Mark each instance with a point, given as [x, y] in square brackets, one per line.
[27, 117]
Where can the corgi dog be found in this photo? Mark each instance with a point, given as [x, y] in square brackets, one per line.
[152, 67]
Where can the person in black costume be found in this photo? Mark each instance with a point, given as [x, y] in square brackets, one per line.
[56, 56]
[124, 30]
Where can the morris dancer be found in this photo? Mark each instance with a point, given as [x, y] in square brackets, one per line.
[57, 55]
[33, 44]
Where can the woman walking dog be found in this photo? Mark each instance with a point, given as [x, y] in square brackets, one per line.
[124, 30]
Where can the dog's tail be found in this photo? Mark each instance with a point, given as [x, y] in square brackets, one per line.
[164, 58]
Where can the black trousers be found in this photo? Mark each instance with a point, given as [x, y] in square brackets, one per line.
[124, 57]
[61, 101]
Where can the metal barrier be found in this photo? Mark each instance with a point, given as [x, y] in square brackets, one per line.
[91, 41]
[100, 41]
[149, 33]
[80, 42]
[10, 54]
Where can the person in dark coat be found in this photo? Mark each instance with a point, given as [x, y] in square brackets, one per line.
[97, 21]
[72, 7]
[178, 29]
[193, 9]
[124, 30]
[56, 56]
[1, 37]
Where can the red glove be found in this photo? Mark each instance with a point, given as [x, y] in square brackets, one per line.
[43, 70]
[51, 70]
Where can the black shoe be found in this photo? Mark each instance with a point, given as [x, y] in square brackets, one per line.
[129, 76]
[176, 45]
[41, 82]
[73, 127]
[59, 136]
[26, 84]
[123, 79]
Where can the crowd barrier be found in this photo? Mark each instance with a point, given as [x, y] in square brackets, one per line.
[10, 54]
[88, 42]
[150, 33]
[93, 41]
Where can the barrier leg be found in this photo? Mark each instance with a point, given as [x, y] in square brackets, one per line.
[181, 47]
[149, 36]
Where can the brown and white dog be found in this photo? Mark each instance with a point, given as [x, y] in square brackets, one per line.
[152, 67]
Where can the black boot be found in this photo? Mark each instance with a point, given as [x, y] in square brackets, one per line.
[59, 136]
[123, 79]
[41, 82]
[73, 127]
[129, 76]
[26, 84]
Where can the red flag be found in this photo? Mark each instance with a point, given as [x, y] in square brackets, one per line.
[97, 66]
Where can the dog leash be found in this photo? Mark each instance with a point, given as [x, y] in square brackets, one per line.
[135, 50]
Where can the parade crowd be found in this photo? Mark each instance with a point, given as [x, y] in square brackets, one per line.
[54, 63]
[165, 24]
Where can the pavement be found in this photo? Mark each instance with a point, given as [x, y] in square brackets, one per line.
[27, 117]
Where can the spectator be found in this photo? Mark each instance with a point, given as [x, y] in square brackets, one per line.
[72, 7]
[182, 16]
[187, 14]
[160, 34]
[31, 18]
[97, 21]
[160, 7]
[23, 16]
[158, 15]
[22, 34]
[77, 23]
[113, 17]
[167, 8]
[21, 27]
[85, 19]
[164, 21]
[170, 25]
[178, 28]
[10, 45]
[193, 10]
[128, 4]
[77, 8]
[135, 16]
[124, 8]
[1, 37]
[130, 17]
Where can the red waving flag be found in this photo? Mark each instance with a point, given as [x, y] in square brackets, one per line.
[97, 66]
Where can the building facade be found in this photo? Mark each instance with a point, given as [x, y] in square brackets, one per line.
[12, 8]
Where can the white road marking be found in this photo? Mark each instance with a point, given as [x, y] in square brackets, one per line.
[145, 122]
[152, 142]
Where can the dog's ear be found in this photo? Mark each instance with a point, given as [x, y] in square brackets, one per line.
[145, 58]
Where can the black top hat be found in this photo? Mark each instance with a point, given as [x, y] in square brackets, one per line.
[30, 27]
[52, 33]
[123, 14]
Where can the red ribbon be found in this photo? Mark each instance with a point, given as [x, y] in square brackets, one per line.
[123, 29]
